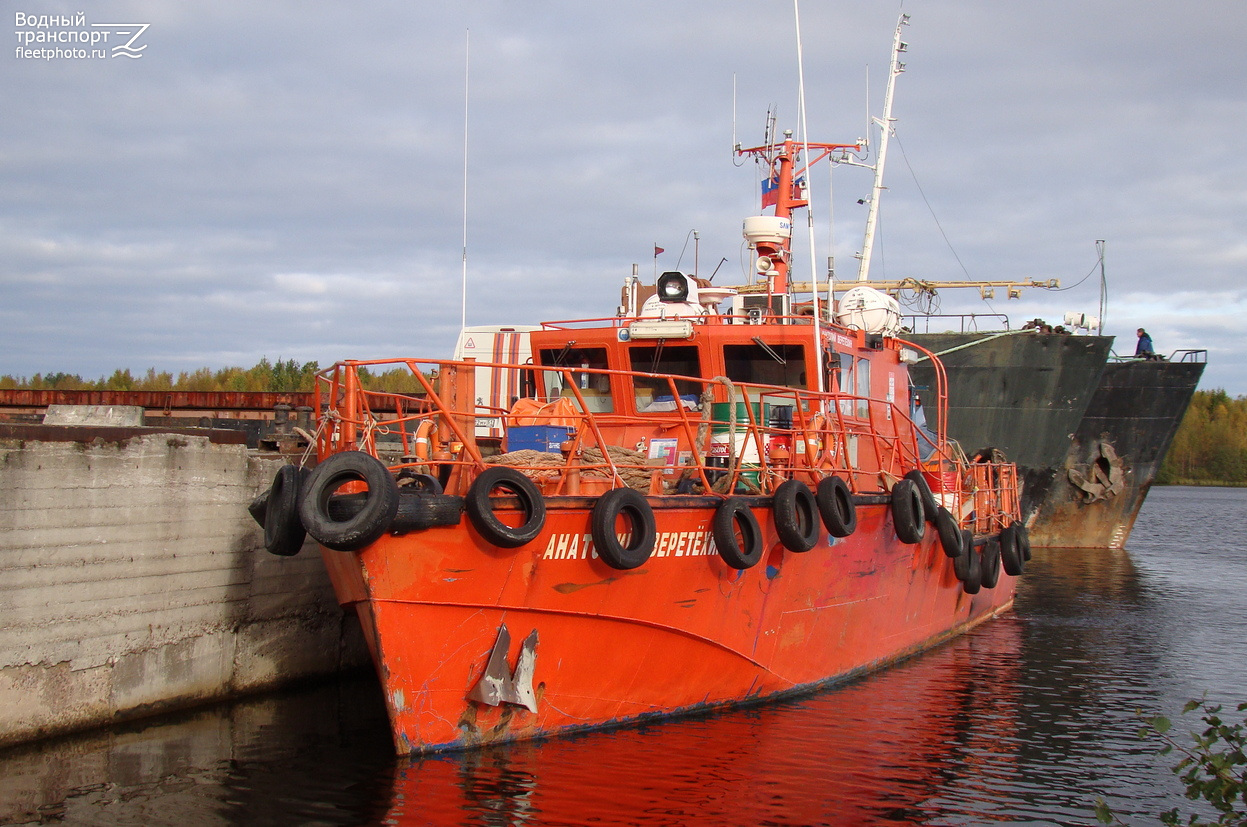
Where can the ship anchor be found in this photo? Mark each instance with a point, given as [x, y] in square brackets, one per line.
[1103, 477]
[499, 684]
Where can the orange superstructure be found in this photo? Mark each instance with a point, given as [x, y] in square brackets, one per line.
[686, 506]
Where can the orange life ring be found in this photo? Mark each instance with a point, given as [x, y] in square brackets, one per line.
[424, 440]
[814, 436]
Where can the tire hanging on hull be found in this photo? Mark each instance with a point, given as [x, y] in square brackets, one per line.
[283, 530]
[741, 551]
[836, 507]
[632, 505]
[371, 521]
[1014, 549]
[991, 563]
[950, 535]
[479, 505]
[796, 516]
[929, 506]
[907, 512]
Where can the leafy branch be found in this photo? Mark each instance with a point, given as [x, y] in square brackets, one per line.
[1213, 766]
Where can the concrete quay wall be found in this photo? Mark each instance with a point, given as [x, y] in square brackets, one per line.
[133, 580]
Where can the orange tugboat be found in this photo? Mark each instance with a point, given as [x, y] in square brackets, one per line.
[703, 500]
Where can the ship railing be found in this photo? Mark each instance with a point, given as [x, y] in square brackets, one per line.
[1189, 355]
[761, 316]
[715, 439]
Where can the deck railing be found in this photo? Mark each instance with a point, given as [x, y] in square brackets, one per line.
[728, 437]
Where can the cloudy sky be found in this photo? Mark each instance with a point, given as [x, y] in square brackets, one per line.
[286, 179]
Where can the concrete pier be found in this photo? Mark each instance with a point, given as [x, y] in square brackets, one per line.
[133, 580]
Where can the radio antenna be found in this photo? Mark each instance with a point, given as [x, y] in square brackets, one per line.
[809, 210]
[464, 302]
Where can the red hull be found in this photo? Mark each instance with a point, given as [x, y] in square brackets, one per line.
[683, 632]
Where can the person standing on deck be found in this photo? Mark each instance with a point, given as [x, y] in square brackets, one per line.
[1144, 349]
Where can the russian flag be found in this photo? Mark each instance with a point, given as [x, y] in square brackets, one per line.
[770, 191]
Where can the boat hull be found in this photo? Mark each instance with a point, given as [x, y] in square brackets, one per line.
[1115, 454]
[1050, 401]
[681, 633]
[1023, 393]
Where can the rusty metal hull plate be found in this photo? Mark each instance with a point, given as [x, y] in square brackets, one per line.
[1115, 454]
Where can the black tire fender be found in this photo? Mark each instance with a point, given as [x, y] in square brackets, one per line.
[603, 522]
[835, 506]
[961, 563]
[796, 516]
[258, 506]
[1024, 543]
[1012, 556]
[479, 505]
[741, 552]
[283, 529]
[950, 534]
[991, 563]
[907, 513]
[930, 508]
[371, 521]
[973, 580]
[416, 510]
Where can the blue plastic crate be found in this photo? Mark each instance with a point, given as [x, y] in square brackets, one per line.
[537, 437]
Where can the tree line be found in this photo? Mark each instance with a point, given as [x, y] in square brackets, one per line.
[289, 376]
[1210, 447]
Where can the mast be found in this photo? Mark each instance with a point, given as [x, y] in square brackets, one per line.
[786, 188]
[885, 131]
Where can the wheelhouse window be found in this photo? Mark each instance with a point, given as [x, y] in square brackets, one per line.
[863, 388]
[766, 364]
[655, 394]
[595, 388]
[846, 383]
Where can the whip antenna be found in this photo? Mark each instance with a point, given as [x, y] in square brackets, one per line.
[464, 301]
[809, 209]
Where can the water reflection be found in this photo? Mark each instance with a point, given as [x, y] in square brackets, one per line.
[875, 752]
[1024, 721]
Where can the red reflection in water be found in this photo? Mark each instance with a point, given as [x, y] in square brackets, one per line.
[906, 746]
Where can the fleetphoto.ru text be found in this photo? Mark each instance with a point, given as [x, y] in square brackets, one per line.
[71, 37]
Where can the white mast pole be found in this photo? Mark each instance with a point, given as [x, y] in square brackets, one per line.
[885, 131]
[809, 211]
[464, 301]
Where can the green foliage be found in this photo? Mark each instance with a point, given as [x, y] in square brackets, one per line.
[397, 380]
[275, 377]
[1210, 447]
[280, 377]
[1213, 766]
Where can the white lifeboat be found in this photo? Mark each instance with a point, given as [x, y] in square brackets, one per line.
[871, 310]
